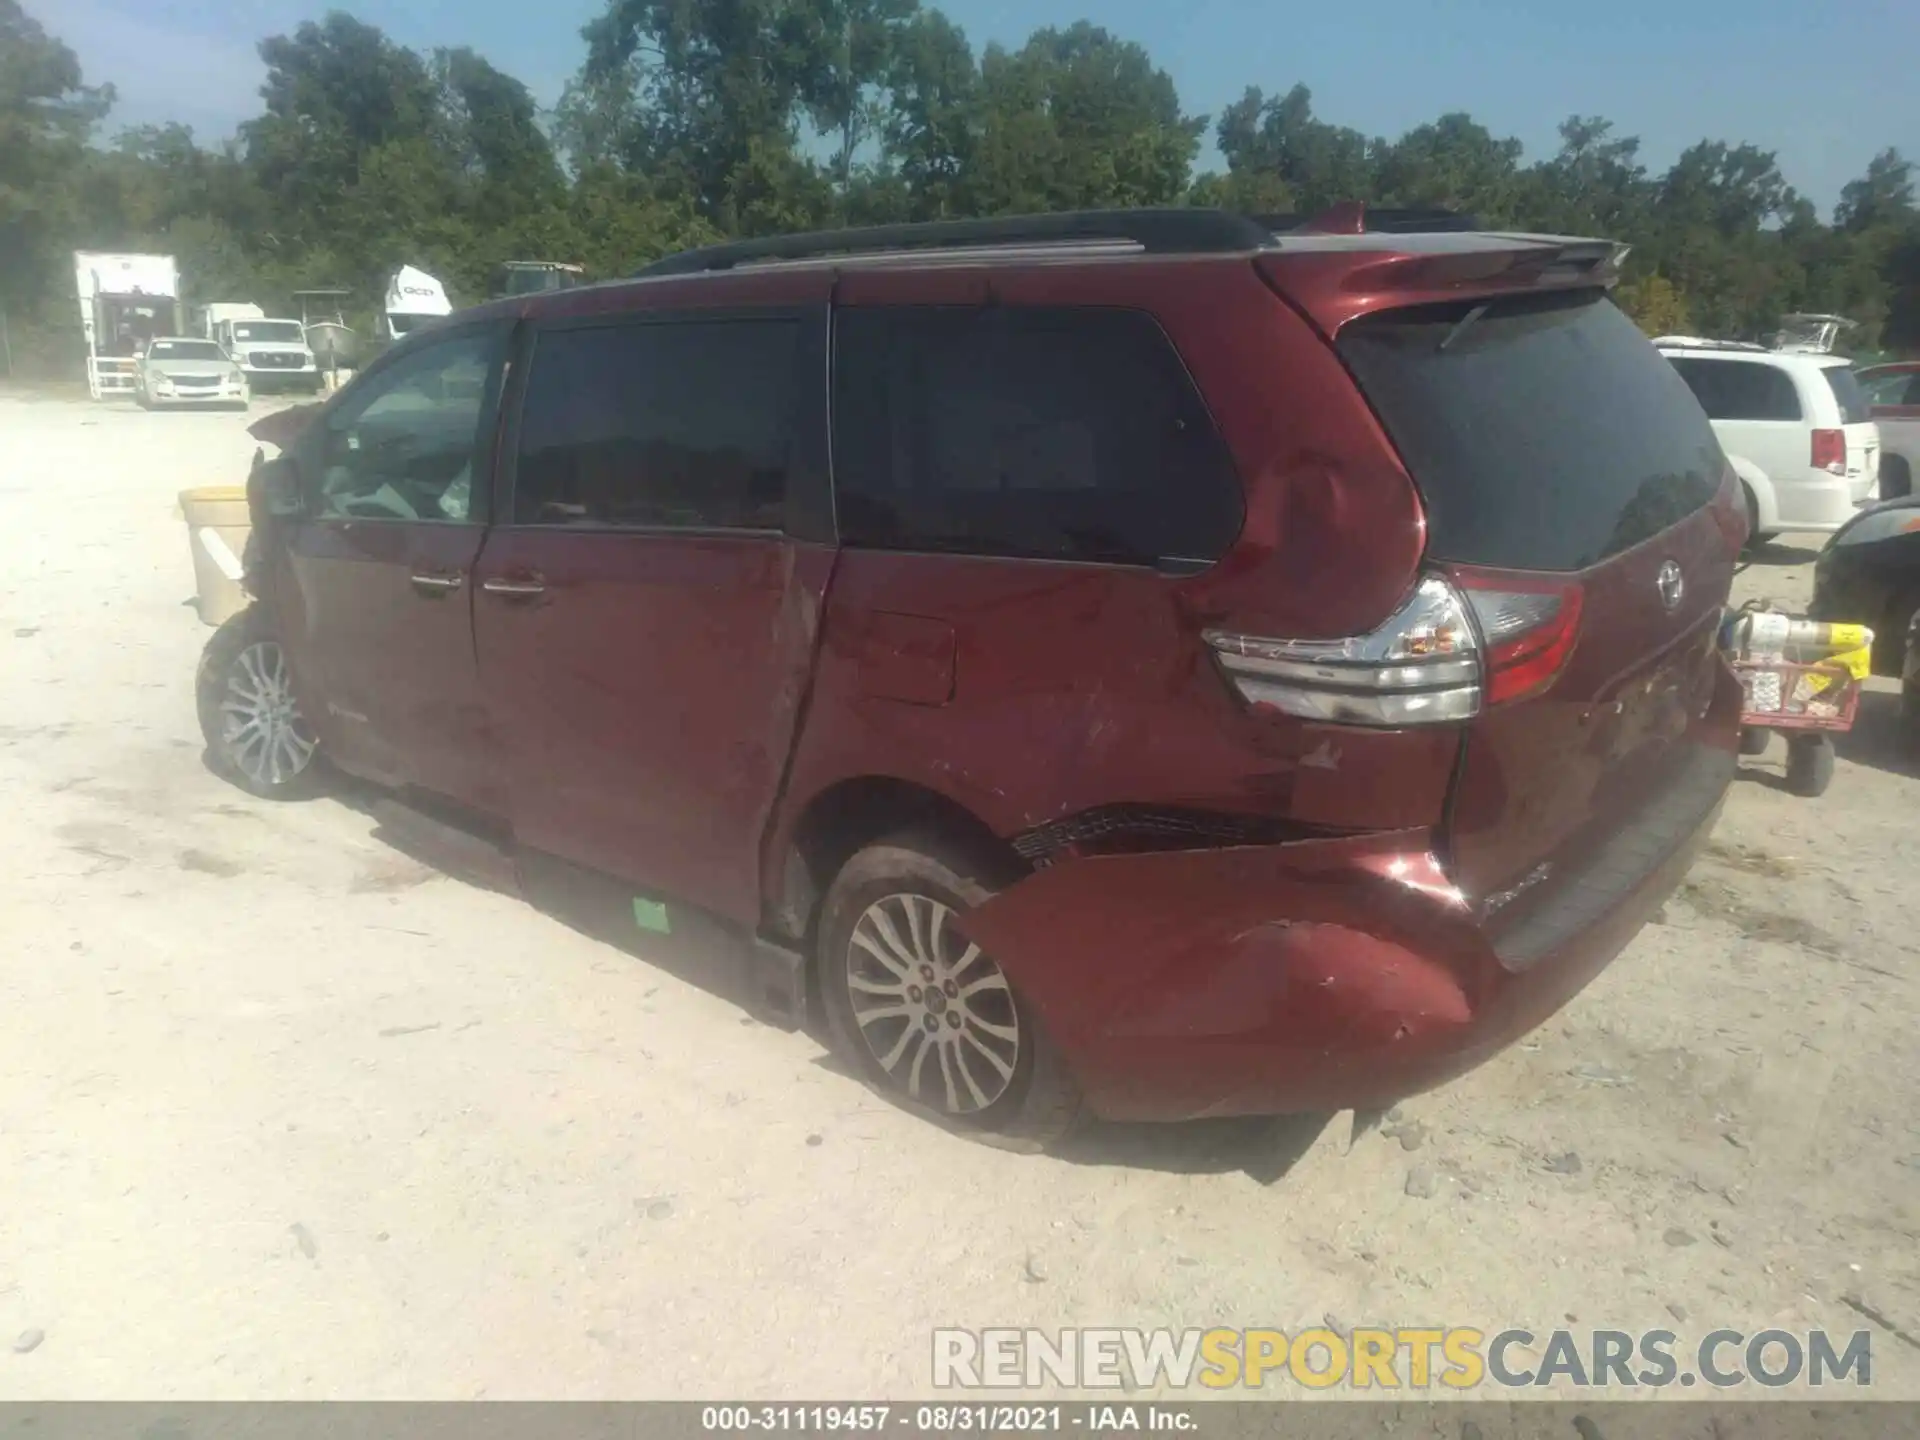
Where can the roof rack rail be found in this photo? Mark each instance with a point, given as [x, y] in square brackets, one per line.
[1167, 231]
[1703, 342]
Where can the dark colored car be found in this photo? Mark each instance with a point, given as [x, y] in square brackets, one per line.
[1869, 574]
[1155, 663]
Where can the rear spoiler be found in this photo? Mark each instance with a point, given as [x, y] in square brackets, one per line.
[1521, 262]
[1335, 279]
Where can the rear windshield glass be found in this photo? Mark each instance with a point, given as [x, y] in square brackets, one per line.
[1854, 407]
[1544, 432]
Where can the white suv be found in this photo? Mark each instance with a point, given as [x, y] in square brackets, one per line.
[1797, 428]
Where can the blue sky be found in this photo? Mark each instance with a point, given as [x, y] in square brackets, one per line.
[1825, 83]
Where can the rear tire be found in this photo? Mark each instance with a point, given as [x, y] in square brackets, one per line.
[1754, 740]
[1755, 540]
[1890, 637]
[1896, 477]
[1809, 765]
[925, 1016]
[255, 734]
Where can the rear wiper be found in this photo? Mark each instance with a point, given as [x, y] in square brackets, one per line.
[1466, 322]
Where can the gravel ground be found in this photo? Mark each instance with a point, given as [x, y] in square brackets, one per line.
[284, 1113]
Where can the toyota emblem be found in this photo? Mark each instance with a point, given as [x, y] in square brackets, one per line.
[1671, 584]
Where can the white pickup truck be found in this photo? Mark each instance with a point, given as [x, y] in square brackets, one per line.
[273, 354]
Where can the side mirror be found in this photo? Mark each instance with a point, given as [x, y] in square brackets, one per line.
[280, 491]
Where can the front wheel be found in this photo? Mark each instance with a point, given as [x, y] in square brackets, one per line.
[255, 734]
[925, 1014]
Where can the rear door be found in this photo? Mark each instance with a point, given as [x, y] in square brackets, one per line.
[379, 612]
[1560, 456]
[648, 604]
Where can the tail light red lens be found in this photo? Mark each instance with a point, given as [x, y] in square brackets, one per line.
[1730, 514]
[1527, 629]
[1453, 647]
[1830, 451]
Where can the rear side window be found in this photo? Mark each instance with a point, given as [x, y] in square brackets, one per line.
[672, 424]
[1544, 432]
[1855, 408]
[1740, 389]
[1892, 387]
[1072, 434]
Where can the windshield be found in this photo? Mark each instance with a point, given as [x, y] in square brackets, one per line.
[1854, 406]
[1545, 432]
[284, 331]
[185, 350]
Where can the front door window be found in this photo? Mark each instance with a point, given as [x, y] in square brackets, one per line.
[407, 449]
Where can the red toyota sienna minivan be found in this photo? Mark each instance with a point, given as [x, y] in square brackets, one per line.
[1151, 664]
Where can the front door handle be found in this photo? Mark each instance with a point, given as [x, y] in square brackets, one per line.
[501, 585]
[437, 585]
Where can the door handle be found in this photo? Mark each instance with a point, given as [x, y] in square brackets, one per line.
[438, 584]
[500, 585]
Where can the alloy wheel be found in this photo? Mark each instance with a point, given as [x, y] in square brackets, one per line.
[933, 1009]
[261, 728]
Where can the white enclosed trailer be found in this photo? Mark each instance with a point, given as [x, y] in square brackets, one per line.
[125, 301]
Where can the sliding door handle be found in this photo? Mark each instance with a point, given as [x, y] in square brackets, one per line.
[520, 587]
[438, 584]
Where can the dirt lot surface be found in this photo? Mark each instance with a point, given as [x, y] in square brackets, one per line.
[284, 1113]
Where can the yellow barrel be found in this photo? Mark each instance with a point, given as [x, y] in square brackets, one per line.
[218, 523]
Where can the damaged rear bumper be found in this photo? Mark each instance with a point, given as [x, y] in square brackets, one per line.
[1316, 975]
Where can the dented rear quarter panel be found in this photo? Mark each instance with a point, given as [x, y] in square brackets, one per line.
[1028, 691]
[1318, 975]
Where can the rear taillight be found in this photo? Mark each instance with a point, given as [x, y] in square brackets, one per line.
[1421, 667]
[1439, 658]
[1830, 451]
[1730, 514]
[1528, 632]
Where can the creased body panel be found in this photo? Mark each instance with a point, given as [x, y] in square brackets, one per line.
[1315, 976]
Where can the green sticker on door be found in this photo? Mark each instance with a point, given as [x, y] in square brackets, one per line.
[651, 915]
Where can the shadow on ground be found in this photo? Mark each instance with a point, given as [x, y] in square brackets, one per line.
[1776, 555]
[1264, 1148]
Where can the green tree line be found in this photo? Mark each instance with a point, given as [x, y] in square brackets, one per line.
[693, 120]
